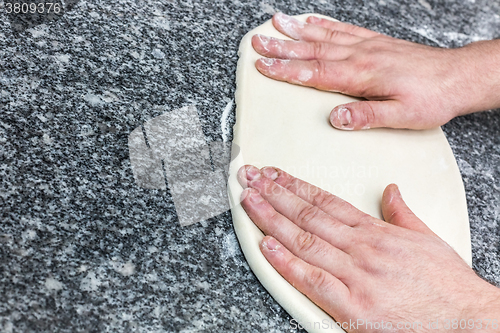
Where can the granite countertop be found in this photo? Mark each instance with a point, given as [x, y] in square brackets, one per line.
[82, 247]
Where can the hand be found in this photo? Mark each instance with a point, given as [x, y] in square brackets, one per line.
[406, 85]
[355, 266]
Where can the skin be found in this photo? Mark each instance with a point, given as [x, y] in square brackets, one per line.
[351, 264]
[355, 266]
[406, 85]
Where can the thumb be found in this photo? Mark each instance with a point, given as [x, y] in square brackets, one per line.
[396, 211]
[368, 114]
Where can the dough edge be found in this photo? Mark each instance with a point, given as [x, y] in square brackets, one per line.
[249, 236]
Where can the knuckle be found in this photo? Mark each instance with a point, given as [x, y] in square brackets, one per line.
[274, 217]
[395, 215]
[368, 262]
[331, 34]
[317, 279]
[363, 62]
[305, 241]
[323, 199]
[307, 214]
[351, 28]
[368, 65]
[319, 50]
[319, 68]
[369, 115]
[376, 242]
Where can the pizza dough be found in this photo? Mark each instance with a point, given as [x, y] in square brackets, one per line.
[284, 125]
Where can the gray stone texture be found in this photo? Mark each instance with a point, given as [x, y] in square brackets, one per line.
[82, 247]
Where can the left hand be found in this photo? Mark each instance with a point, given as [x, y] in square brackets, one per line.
[355, 266]
[406, 85]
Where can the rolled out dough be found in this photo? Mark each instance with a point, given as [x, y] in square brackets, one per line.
[284, 125]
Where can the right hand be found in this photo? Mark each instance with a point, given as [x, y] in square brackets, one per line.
[360, 269]
[406, 85]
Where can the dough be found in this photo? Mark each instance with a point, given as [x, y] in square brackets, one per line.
[286, 126]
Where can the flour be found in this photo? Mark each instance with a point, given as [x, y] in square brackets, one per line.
[487, 27]
[290, 25]
[305, 75]
[224, 123]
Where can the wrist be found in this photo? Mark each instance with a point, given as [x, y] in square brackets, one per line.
[477, 68]
[484, 310]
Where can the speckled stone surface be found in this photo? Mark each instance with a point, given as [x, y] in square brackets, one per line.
[82, 248]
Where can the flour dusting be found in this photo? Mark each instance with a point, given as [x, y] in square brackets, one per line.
[229, 247]
[486, 27]
[305, 75]
[290, 25]
[224, 123]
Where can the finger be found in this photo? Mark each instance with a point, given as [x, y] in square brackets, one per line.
[303, 244]
[327, 202]
[338, 76]
[343, 27]
[296, 29]
[323, 288]
[306, 216]
[370, 114]
[396, 211]
[288, 49]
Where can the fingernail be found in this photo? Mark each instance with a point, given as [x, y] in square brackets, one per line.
[264, 41]
[270, 172]
[398, 193]
[289, 25]
[395, 194]
[253, 173]
[314, 20]
[271, 244]
[342, 118]
[268, 61]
